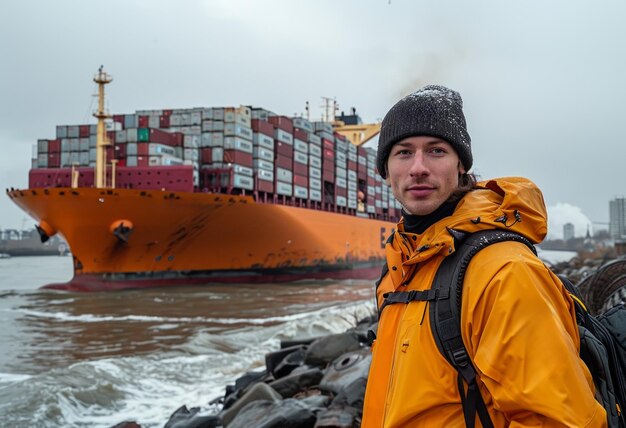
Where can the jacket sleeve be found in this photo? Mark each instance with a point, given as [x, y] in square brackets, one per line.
[519, 328]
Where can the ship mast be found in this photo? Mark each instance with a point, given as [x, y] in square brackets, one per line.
[102, 78]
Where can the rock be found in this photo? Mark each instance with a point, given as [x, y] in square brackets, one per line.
[283, 361]
[289, 413]
[290, 385]
[345, 370]
[259, 391]
[336, 418]
[324, 350]
[188, 418]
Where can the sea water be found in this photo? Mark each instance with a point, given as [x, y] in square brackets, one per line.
[97, 359]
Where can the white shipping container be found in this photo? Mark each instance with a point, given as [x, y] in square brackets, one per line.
[120, 136]
[352, 204]
[42, 146]
[160, 149]
[205, 139]
[341, 172]
[341, 182]
[284, 175]
[263, 164]
[195, 118]
[265, 175]
[315, 183]
[42, 160]
[165, 160]
[131, 135]
[351, 195]
[217, 139]
[243, 170]
[65, 145]
[315, 150]
[61, 131]
[352, 185]
[263, 140]
[283, 188]
[371, 209]
[378, 203]
[218, 125]
[191, 154]
[175, 120]
[378, 190]
[315, 139]
[362, 160]
[323, 126]
[192, 141]
[352, 156]
[217, 154]
[371, 191]
[283, 136]
[207, 113]
[341, 201]
[154, 122]
[93, 141]
[302, 123]
[300, 146]
[65, 159]
[315, 195]
[113, 126]
[371, 173]
[340, 158]
[351, 175]
[83, 144]
[93, 153]
[326, 135]
[352, 150]
[263, 153]
[238, 143]
[300, 158]
[83, 158]
[218, 113]
[74, 144]
[341, 146]
[238, 130]
[207, 125]
[300, 192]
[385, 204]
[315, 172]
[243, 182]
[315, 161]
[72, 131]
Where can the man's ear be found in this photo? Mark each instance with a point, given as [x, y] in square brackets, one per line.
[461, 168]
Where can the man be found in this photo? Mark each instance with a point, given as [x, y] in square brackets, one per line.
[517, 320]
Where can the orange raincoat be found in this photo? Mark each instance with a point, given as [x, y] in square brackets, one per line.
[517, 323]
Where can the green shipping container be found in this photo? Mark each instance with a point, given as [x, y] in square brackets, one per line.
[143, 135]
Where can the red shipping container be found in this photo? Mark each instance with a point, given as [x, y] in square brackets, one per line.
[300, 134]
[282, 122]
[167, 112]
[362, 174]
[142, 122]
[301, 169]
[54, 146]
[54, 160]
[284, 149]
[164, 121]
[328, 175]
[177, 139]
[206, 155]
[327, 144]
[371, 181]
[341, 191]
[329, 154]
[339, 136]
[83, 131]
[120, 151]
[142, 161]
[121, 163]
[110, 152]
[283, 161]
[238, 157]
[361, 151]
[263, 127]
[265, 186]
[111, 136]
[300, 180]
[119, 118]
[351, 165]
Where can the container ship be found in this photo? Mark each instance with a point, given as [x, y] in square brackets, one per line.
[210, 195]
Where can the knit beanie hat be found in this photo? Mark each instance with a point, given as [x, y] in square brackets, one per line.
[435, 111]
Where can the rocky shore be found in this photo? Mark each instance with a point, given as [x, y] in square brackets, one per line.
[320, 382]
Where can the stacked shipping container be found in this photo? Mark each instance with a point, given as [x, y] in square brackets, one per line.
[240, 150]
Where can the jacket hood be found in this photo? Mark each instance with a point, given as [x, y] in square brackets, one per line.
[510, 203]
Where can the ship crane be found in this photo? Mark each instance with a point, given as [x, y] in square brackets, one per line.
[102, 79]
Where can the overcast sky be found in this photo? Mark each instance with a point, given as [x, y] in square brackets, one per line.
[543, 82]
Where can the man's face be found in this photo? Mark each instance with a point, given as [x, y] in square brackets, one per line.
[423, 172]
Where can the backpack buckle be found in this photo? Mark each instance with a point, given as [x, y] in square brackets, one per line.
[460, 357]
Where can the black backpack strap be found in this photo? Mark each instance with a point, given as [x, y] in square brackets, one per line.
[445, 315]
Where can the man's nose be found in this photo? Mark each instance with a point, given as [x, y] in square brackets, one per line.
[419, 165]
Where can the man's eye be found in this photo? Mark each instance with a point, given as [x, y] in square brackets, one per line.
[437, 150]
[402, 152]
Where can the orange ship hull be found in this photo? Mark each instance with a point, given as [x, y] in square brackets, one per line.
[187, 238]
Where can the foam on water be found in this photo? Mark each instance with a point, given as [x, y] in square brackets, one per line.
[149, 388]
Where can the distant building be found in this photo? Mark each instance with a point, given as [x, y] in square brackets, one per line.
[617, 218]
[568, 231]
